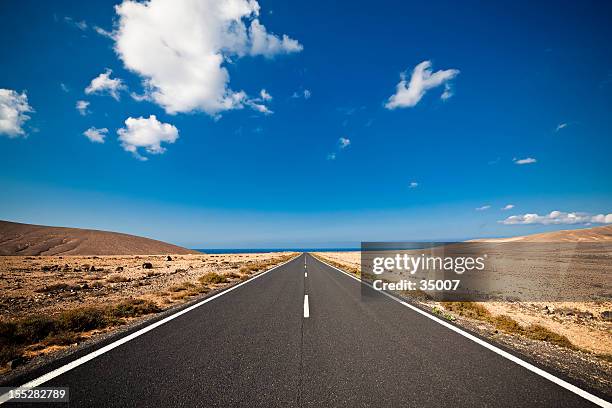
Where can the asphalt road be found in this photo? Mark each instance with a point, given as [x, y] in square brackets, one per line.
[253, 347]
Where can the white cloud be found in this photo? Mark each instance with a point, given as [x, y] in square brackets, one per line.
[103, 32]
[507, 207]
[344, 142]
[82, 106]
[527, 160]
[413, 184]
[14, 109]
[557, 218]
[96, 135]
[560, 126]
[448, 92]
[307, 94]
[64, 87]
[269, 45]
[408, 94]
[331, 156]
[146, 133]
[180, 49]
[265, 95]
[259, 107]
[483, 208]
[103, 83]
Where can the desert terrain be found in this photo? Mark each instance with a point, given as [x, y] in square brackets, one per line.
[52, 303]
[573, 336]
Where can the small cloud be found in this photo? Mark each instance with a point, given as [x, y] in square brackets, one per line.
[81, 25]
[561, 126]
[103, 83]
[507, 207]
[331, 156]
[265, 95]
[14, 109]
[448, 92]
[413, 184]
[103, 32]
[148, 133]
[344, 142]
[409, 93]
[527, 160]
[558, 218]
[493, 162]
[96, 135]
[483, 208]
[82, 106]
[64, 87]
[259, 107]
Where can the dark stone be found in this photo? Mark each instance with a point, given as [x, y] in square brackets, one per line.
[119, 269]
[17, 362]
[147, 265]
[607, 315]
[169, 258]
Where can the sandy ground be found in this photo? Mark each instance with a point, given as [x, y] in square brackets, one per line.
[586, 324]
[50, 284]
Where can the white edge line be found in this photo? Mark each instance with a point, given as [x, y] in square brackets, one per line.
[306, 308]
[570, 387]
[84, 359]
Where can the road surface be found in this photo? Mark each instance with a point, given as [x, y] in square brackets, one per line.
[254, 347]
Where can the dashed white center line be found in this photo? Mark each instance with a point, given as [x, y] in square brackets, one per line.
[306, 309]
[305, 274]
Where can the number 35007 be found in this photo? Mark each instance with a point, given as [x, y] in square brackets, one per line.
[439, 284]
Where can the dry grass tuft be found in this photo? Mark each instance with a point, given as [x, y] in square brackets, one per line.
[507, 324]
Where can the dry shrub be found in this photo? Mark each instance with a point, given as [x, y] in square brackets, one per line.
[212, 277]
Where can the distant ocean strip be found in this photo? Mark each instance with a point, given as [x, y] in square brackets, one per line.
[265, 250]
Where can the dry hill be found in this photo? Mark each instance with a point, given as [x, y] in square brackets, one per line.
[27, 239]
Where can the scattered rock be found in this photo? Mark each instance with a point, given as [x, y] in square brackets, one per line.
[584, 315]
[147, 265]
[119, 269]
[169, 258]
[549, 309]
[606, 315]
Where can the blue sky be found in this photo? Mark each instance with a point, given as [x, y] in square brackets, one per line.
[526, 81]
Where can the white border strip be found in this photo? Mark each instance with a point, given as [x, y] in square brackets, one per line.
[88, 357]
[570, 387]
